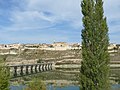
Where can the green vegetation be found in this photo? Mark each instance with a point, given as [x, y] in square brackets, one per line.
[36, 84]
[94, 69]
[39, 61]
[4, 76]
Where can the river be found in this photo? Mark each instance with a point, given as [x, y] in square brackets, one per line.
[50, 87]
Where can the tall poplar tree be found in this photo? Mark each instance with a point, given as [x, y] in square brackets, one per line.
[95, 41]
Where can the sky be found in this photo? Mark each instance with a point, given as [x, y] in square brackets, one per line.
[48, 21]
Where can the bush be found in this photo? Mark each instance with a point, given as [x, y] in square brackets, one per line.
[4, 77]
[36, 84]
[39, 61]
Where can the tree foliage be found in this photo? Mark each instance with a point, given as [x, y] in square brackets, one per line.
[4, 76]
[95, 41]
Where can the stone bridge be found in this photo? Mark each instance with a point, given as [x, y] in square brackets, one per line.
[22, 70]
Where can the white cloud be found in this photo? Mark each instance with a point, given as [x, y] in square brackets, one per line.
[34, 13]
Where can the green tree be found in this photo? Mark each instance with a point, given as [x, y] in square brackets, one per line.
[4, 76]
[94, 67]
[36, 84]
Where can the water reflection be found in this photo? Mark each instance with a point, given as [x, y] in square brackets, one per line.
[116, 87]
[51, 87]
[18, 87]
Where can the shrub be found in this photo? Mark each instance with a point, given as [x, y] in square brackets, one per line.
[4, 77]
[36, 84]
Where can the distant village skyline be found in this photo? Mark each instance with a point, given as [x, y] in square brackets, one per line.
[56, 46]
[50, 43]
[48, 21]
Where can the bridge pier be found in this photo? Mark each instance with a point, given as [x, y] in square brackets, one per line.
[43, 67]
[50, 66]
[31, 69]
[39, 68]
[27, 72]
[46, 67]
[36, 69]
[15, 71]
[21, 70]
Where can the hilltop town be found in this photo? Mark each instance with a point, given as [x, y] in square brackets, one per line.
[44, 46]
[53, 47]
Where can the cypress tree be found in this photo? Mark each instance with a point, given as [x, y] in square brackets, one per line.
[94, 67]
